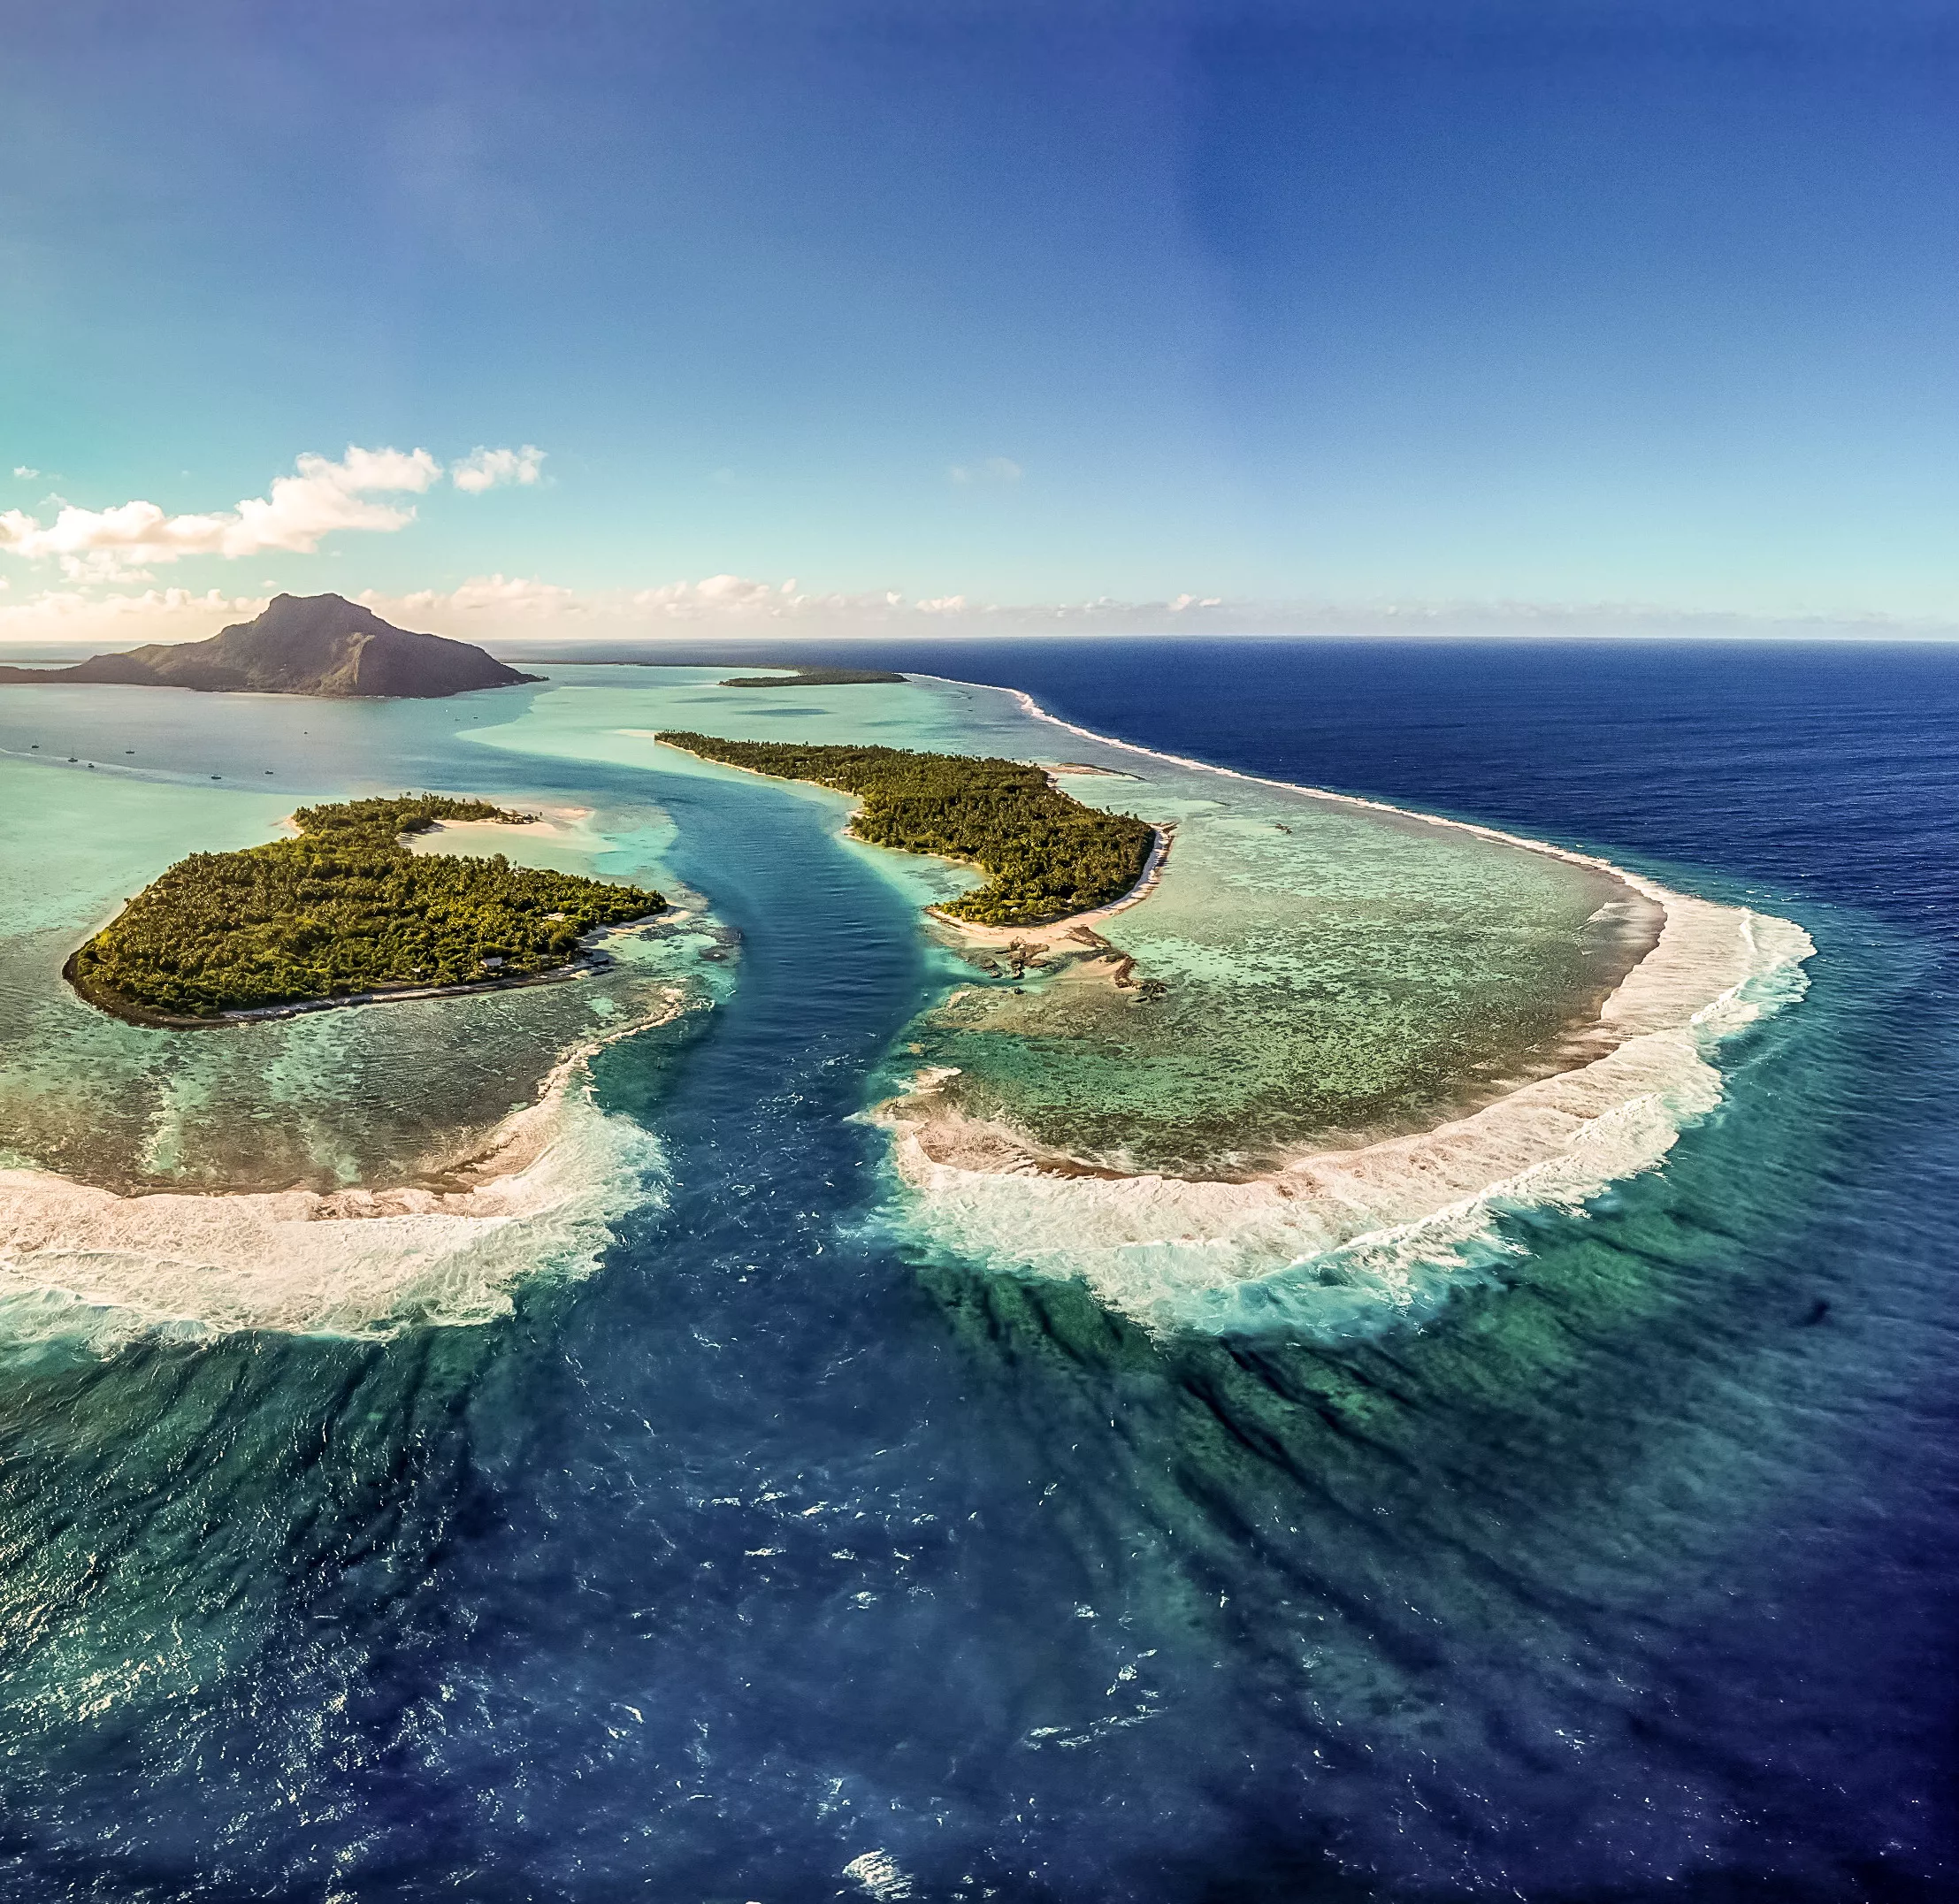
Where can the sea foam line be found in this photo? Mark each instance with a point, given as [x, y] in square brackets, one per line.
[1033, 708]
[541, 1196]
[1338, 1241]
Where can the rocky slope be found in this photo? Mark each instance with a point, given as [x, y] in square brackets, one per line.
[301, 645]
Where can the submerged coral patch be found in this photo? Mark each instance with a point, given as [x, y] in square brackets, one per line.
[1376, 1032]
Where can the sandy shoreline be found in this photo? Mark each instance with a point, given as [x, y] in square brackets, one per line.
[552, 822]
[967, 932]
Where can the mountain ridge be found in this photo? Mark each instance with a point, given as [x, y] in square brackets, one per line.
[318, 644]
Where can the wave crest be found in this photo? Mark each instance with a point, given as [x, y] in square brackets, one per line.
[1339, 1242]
[80, 1262]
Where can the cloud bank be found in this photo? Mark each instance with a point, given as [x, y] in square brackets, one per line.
[519, 614]
[322, 498]
[499, 608]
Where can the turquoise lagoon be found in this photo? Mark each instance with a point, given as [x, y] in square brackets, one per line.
[349, 1168]
[1369, 1031]
[1378, 1030]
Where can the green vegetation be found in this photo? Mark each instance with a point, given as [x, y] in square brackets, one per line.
[815, 678]
[1048, 855]
[344, 908]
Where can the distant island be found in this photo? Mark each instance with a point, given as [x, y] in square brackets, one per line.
[321, 645]
[344, 911]
[1047, 854]
[800, 676]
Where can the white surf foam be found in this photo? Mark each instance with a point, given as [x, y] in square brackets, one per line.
[1341, 1241]
[79, 1261]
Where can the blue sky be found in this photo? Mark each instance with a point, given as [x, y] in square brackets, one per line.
[1493, 309]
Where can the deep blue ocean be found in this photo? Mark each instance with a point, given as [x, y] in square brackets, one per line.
[770, 1564]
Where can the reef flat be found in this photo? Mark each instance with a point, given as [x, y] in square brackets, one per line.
[1353, 1037]
[350, 1172]
[1302, 1061]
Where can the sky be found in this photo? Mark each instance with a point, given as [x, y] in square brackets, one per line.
[611, 316]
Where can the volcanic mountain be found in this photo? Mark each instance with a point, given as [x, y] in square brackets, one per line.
[301, 645]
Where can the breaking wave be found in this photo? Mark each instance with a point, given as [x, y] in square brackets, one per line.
[1340, 1243]
[81, 1262]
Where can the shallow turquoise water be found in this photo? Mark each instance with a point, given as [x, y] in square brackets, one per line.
[1315, 973]
[1327, 969]
[384, 1095]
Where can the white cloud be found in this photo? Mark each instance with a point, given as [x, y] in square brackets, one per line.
[484, 468]
[23, 472]
[123, 620]
[994, 470]
[494, 595]
[323, 498]
[714, 593]
[734, 601]
[509, 613]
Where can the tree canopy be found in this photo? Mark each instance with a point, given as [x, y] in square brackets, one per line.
[796, 676]
[345, 908]
[1047, 854]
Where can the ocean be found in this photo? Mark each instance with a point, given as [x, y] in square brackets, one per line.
[776, 1546]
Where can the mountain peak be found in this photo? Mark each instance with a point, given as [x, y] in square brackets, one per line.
[321, 645]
